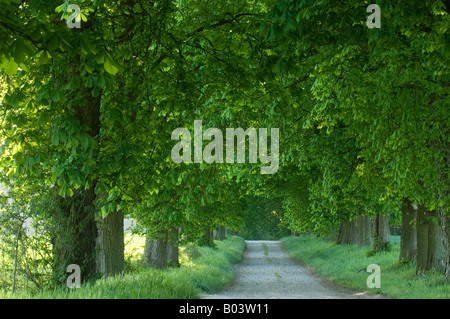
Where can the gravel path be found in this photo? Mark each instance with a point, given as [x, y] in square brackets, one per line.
[267, 271]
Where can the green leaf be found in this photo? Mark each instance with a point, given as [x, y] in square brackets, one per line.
[29, 161]
[86, 169]
[83, 16]
[11, 67]
[55, 139]
[56, 96]
[110, 65]
[88, 68]
[84, 140]
[101, 81]
[100, 57]
[53, 43]
[24, 67]
[86, 45]
[45, 56]
[76, 181]
[20, 51]
[69, 191]
[65, 191]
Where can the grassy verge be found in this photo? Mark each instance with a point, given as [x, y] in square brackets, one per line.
[342, 264]
[203, 269]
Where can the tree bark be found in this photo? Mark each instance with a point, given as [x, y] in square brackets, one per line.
[74, 235]
[207, 238]
[443, 170]
[364, 229]
[173, 248]
[354, 232]
[343, 236]
[16, 256]
[381, 233]
[408, 238]
[110, 244]
[219, 233]
[155, 253]
[445, 222]
[162, 250]
[429, 241]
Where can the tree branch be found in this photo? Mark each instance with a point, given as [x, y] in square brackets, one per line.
[297, 82]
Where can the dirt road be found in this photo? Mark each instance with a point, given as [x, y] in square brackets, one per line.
[267, 271]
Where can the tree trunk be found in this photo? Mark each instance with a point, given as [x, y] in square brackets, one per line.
[16, 256]
[155, 253]
[408, 238]
[110, 244]
[207, 238]
[173, 248]
[443, 171]
[349, 232]
[445, 223]
[364, 228]
[343, 236]
[354, 232]
[381, 233]
[219, 233]
[74, 234]
[163, 250]
[429, 241]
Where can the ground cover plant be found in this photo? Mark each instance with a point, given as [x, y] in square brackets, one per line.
[346, 265]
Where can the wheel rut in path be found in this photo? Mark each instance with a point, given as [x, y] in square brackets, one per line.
[267, 272]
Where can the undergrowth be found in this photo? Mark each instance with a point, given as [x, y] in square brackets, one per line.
[342, 264]
[203, 270]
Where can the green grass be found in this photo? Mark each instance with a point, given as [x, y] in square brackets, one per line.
[206, 270]
[265, 249]
[341, 263]
[213, 270]
[266, 252]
